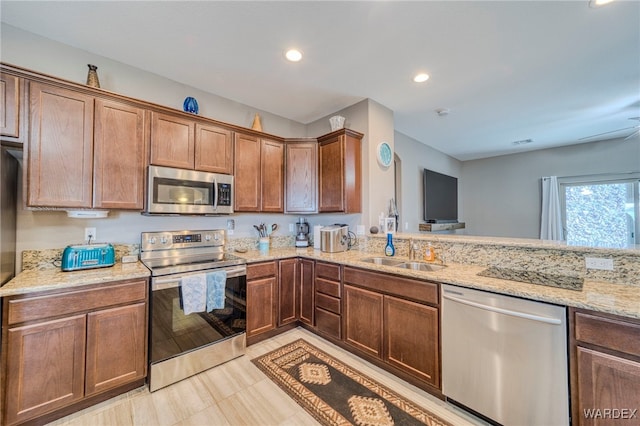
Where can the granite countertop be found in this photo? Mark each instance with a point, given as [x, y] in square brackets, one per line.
[610, 297]
[604, 296]
[34, 280]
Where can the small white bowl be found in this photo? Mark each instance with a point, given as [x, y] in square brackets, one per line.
[337, 122]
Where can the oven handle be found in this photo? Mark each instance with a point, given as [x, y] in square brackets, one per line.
[162, 283]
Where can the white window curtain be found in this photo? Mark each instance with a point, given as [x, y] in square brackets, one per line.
[551, 217]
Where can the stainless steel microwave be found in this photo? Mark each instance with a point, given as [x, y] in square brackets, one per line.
[189, 192]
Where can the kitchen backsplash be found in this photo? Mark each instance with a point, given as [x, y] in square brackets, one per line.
[51, 258]
[520, 254]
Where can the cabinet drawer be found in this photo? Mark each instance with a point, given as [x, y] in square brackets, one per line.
[331, 288]
[421, 291]
[612, 333]
[259, 270]
[331, 304]
[41, 307]
[328, 323]
[330, 271]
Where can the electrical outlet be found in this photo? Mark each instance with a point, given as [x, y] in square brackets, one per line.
[90, 234]
[598, 263]
[292, 227]
[231, 224]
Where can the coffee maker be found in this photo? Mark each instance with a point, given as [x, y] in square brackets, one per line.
[302, 233]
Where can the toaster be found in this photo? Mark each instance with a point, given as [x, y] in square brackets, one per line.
[87, 256]
[334, 238]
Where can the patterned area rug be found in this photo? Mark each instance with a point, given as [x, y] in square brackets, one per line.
[336, 394]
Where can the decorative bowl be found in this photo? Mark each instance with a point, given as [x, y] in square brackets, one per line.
[337, 122]
[190, 105]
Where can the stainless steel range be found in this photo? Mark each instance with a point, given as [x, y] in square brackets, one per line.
[184, 342]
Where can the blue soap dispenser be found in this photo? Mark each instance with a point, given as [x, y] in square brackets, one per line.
[389, 250]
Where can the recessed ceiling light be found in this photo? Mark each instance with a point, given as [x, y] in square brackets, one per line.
[421, 78]
[598, 3]
[294, 55]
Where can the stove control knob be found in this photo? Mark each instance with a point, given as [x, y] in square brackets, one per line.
[163, 240]
[152, 240]
[216, 237]
[207, 237]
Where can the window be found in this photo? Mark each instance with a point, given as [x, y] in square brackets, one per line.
[601, 212]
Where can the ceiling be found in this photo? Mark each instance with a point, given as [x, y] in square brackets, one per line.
[552, 71]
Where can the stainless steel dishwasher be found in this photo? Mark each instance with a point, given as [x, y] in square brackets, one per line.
[504, 357]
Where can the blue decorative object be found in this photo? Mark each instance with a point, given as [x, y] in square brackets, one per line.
[190, 105]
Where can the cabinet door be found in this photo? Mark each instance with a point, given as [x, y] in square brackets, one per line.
[45, 367]
[288, 291]
[246, 173]
[213, 149]
[116, 347]
[301, 180]
[60, 153]
[10, 104]
[605, 382]
[362, 319]
[411, 338]
[172, 141]
[307, 290]
[261, 305]
[331, 175]
[119, 156]
[272, 173]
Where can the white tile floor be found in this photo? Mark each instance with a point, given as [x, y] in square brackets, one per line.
[238, 393]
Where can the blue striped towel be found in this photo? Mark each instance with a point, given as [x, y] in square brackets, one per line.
[194, 289]
[216, 283]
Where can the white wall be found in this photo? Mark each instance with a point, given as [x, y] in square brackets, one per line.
[415, 157]
[28, 50]
[47, 229]
[501, 195]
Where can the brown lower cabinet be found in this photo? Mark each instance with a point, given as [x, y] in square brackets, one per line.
[328, 299]
[61, 348]
[262, 297]
[288, 291]
[306, 275]
[394, 319]
[605, 368]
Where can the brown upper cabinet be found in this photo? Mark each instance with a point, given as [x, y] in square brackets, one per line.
[172, 141]
[301, 176]
[184, 143]
[84, 151]
[119, 156]
[11, 119]
[258, 174]
[340, 172]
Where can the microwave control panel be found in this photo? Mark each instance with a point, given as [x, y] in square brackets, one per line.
[224, 194]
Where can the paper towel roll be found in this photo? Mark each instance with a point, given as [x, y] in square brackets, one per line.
[316, 236]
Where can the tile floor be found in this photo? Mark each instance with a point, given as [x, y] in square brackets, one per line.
[237, 393]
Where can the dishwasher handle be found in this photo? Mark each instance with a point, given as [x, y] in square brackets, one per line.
[525, 315]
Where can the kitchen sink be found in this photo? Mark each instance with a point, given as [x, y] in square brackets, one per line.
[382, 261]
[420, 266]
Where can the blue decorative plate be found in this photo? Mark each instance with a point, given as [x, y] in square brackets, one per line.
[190, 105]
[385, 155]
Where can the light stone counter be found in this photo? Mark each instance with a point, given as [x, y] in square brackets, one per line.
[35, 280]
[605, 296]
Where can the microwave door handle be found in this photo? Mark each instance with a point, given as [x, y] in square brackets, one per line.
[215, 195]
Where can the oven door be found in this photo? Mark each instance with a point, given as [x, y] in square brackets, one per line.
[173, 333]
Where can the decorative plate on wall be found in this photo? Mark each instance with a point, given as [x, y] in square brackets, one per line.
[385, 154]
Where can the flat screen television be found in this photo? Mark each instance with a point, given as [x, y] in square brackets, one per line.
[440, 198]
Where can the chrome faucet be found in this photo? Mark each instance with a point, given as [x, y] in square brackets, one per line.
[413, 250]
